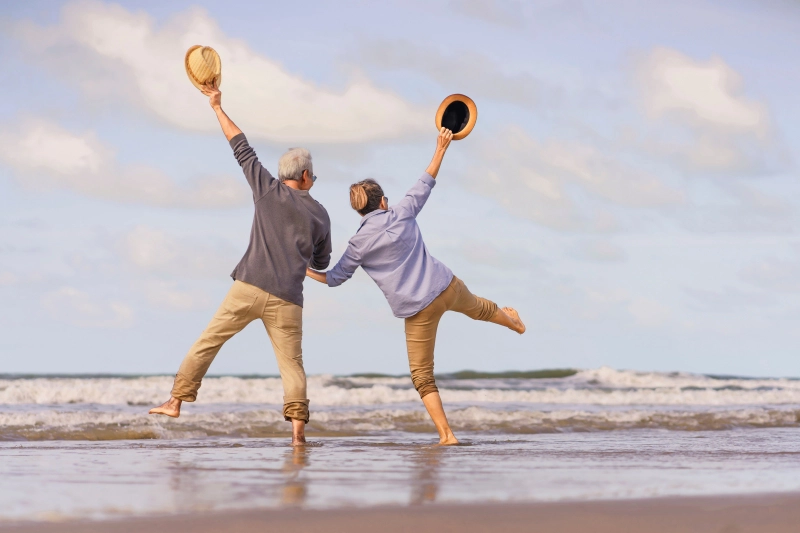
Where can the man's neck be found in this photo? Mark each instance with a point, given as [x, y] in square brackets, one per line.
[294, 184]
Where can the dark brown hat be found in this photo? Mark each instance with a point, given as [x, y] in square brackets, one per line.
[458, 114]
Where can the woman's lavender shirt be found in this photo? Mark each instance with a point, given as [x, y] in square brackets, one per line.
[389, 247]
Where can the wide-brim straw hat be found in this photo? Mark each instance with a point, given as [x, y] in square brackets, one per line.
[203, 66]
[458, 114]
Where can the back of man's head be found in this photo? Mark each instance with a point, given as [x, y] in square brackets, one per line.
[292, 164]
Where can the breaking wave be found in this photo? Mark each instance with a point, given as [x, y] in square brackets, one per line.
[101, 408]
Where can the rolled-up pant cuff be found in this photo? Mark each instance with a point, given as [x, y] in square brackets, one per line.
[426, 388]
[184, 389]
[296, 410]
[487, 309]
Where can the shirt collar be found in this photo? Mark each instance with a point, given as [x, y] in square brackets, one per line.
[370, 215]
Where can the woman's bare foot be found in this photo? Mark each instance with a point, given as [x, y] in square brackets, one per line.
[518, 326]
[448, 440]
[298, 432]
[171, 407]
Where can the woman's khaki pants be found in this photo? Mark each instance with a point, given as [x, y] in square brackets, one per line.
[421, 330]
[284, 322]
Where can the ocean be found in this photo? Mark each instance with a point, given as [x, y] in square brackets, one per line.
[85, 447]
[548, 401]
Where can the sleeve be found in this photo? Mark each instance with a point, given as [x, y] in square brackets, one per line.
[322, 252]
[345, 268]
[259, 178]
[417, 195]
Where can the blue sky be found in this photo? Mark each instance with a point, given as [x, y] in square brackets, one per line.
[630, 187]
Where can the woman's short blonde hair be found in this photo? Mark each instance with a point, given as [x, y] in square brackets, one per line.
[365, 196]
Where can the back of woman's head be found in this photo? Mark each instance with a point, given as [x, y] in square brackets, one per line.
[365, 196]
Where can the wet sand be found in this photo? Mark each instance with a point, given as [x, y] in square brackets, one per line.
[729, 514]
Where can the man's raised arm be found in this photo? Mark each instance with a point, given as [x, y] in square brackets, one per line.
[258, 177]
[230, 129]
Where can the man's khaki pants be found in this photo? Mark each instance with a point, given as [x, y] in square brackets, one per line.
[284, 322]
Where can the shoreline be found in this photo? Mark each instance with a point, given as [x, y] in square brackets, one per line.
[763, 513]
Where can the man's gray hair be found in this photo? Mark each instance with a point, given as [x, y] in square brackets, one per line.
[292, 164]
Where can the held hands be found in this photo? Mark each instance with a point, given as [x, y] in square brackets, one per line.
[214, 95]
[322, 277]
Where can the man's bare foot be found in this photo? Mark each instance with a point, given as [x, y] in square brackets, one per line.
[298, 433]
[171, 407]
[519, 327]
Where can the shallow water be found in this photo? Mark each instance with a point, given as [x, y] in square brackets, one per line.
[71, 479]
[84, 447]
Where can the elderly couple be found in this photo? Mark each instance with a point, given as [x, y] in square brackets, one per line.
[291, 235]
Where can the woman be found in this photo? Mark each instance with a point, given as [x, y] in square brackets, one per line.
[388, 246]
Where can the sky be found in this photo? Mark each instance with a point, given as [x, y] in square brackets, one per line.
[631, 185]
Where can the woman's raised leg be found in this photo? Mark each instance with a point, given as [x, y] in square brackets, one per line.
[478, 308]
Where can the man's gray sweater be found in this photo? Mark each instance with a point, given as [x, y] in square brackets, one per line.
[290, 231]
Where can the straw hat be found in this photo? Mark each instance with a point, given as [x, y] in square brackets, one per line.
[458, 114]
[203, 66]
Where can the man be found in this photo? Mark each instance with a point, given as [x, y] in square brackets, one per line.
[290, 231]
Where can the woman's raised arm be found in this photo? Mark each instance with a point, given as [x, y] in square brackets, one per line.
[442, 142]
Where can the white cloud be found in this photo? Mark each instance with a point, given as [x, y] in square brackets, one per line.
[156, 252]
[8, 278]
[708, 124]
[113, 51]
[704, 93]
[544, 181]
[77, 308]
[44, 154]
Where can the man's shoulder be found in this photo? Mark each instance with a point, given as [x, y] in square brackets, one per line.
[317, 206]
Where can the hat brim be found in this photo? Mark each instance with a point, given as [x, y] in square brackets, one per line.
[192, 78]
[467, 123]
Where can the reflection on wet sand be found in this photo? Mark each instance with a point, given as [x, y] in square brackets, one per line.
[186, 485]
[295, 487]
[425, 467]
